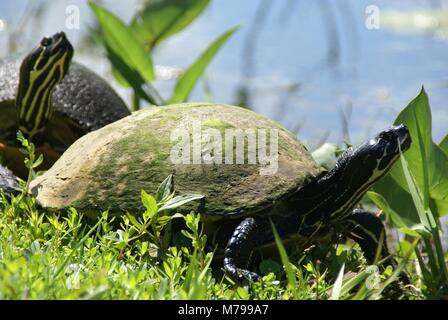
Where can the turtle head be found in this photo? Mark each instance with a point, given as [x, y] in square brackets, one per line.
[359, 167]
[41, 70]
[336, 193]
[372, 159]
[378, 154]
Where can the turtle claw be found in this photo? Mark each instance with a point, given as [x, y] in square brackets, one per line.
[242, 274]
[252, 276]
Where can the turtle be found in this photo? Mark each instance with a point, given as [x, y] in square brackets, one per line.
[52, 100]
[107, 169]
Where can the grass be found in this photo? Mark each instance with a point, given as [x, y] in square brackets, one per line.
[47, 255]
[65, 255]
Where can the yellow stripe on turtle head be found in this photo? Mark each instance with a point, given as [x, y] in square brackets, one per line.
[40, 72]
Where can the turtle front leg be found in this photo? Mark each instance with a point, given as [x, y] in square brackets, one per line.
[366, 229]
[239, 249]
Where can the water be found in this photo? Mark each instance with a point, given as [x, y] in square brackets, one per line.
[308, 60]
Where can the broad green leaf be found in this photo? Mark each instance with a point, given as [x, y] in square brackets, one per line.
[424, 213]
[396, 219]
[441, 202]
[180, 200]
[160, 19]
[188, 80]
[395, 201]
[150, 203]
[427, 162]
[417, 117]
[120, 39]
[439, 179]
[124, 72]
[405, 248]
[442, 207]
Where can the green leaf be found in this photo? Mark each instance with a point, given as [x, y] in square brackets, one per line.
[417, 117]
[161, 19]
[188, 80]
[180, 200]
[150, 203]
[120, 39]
[396, 219]
[444, 145]
[395, 201]
[425, 214]
[165, 189]
[439, 179]
[337, 287]
[124, 72]
[353, 282]
[134, 221]
[39, 161]
[242, 293]
[163, 220]
[285, 260]
[427, 162]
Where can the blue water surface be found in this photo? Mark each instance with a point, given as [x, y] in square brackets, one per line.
[308, 60]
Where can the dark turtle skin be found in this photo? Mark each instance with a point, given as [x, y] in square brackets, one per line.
[82, 102]
[325, 207]
[107, 169]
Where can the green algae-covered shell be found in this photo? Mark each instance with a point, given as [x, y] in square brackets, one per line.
[108, 168]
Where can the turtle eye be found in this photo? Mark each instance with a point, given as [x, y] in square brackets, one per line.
[46, 41]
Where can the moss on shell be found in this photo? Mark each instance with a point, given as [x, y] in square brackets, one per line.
[108, 168]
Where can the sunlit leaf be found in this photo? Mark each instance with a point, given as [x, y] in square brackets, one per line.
[439, 178]
[352, 282]
[150, 203]
[398, 204]
[417, 117]
[120, 39]
[180, 200]
[425, 214]
[165, 189]
[188, 80]
[399, 219]
[427, 162]
[128, 76]
[337, 287]
[285, 260]
[160, 19]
